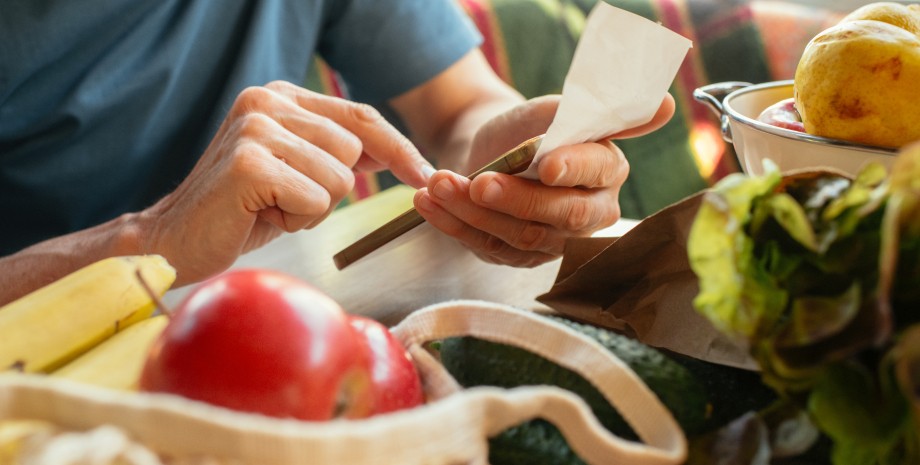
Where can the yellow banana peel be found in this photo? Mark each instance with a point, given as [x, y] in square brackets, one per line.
[51, 326]
[15, 435]
[117, 362]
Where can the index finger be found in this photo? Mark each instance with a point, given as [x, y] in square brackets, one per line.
[380, 139]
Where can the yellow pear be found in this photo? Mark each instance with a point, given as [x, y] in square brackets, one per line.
[859, 80]
[897, 14]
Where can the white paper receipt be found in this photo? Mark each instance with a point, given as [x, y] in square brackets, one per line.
[622, 69]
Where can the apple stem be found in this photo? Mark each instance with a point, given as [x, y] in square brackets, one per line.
[153, 295]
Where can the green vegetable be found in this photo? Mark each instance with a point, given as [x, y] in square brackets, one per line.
[535, 442]
[819, 275]
[730, 392]
[699, 403]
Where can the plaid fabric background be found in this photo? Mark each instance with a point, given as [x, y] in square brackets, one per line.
[530, 44]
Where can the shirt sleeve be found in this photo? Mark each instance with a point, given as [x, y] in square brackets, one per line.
[383, 48]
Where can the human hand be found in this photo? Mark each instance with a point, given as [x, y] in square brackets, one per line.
[515, 221]
[281, 161]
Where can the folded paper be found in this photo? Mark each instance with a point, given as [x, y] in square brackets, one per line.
[621, 71]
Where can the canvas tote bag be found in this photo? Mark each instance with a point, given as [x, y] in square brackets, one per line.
[453, 427]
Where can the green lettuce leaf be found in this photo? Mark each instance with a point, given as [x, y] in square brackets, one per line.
[736, 293]
[819, 276]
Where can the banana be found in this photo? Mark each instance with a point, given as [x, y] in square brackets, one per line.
[47, 328]
[15, 436]
[117, 362]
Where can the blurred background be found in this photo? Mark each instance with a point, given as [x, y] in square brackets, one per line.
[530, 44]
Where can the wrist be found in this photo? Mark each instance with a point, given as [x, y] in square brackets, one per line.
[127, 236]
[47, 261]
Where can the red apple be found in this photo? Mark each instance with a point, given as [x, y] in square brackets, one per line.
[394, 380]
[262, 341]
[783, 114]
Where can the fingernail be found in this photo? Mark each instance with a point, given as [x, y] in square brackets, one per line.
[493, 192]
[425, 203]
[561, 173]
[444, 189]
[428, 171]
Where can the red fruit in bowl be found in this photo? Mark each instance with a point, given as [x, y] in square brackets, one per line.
[266, 342]
[394, 380]
[783, 114]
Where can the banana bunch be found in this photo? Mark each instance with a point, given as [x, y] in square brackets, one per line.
[37, 442]
[51, 327]
[17, 435]
[116, 362]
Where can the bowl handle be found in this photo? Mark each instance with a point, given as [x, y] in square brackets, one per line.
[712, 96]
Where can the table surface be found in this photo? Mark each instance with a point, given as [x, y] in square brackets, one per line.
[420, 268]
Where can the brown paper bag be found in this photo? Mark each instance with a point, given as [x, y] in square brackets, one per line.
[641, 285]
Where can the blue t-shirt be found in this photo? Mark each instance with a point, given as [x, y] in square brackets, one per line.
[105, 105]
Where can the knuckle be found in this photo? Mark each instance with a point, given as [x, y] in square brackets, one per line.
[614, 169]
[291, 226]
[403, 145]
[532, 237]
[254, 125]
[612, 215]
[578, 217]
[278, 85]
[608, 174]
[348, 146]
[244, 160]
[606, 213]
[534, 261]
[489, 258]
[531, 207]
[493, 245]
[323, 204]
[252, 98]
[365, 113]
[452, 229]
[341, 184]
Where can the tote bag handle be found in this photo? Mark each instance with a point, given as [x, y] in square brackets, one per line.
[663, 442]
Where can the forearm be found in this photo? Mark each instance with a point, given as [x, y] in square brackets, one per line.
[444, 114]
[47, 261]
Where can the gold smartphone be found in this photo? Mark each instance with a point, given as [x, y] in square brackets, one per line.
[514, 161]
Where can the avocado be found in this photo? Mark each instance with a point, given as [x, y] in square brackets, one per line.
[536, 442]
[687, 395]
[731, 391]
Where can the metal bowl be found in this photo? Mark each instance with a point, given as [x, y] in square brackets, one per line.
[738, 104]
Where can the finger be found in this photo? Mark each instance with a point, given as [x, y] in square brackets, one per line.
[325, 134]
[315, 163]
[371, 165]
[319, 130]
[289, 222]
[575, 210]
[381, 141]
[659, 119]
[298, 198]
[488, 247]
[591, 165]
[451, 193]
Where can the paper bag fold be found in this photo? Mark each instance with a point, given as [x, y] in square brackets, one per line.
[641, 284]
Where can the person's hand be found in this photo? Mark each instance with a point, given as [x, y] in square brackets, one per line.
[281, 161]
[515, 221]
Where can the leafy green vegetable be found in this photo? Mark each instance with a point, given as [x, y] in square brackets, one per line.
[735, 292]
[819, 276]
